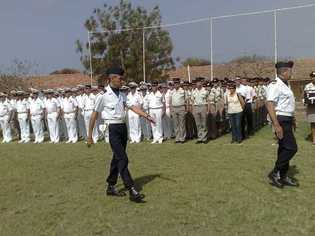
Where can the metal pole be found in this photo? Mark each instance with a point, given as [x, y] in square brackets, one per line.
[143, 55]
[211, 48]
[188, 71]
[275, 38]
[90, 50]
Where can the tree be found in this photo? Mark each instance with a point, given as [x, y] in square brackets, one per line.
[65, 71]
[194, 61]
[14, 76]
[125, 47]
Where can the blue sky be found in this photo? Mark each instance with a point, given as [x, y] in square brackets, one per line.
[45, 31]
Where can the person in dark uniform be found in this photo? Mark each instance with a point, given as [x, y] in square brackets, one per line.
[113, 105]
[281, 107]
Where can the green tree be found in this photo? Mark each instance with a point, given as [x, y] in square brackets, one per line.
[125, 47]
[195, 61]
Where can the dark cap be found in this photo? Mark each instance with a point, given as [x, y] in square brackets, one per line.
[283, 64]
[155, 83]
[312, 74]
[115, 71]
[199, 79]
[176, 80]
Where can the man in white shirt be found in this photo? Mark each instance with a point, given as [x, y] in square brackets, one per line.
[69, 108]
[5, 118]
[134, 99]
[23, 109]
[113, 102]
[156, 105]
[145, 125]
[281, 109]
[167, 122]
[80, 97]
[247, 93]
[37, 110]
[88, 107]
[53, 110]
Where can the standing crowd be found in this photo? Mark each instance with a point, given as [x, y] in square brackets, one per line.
[201, 110]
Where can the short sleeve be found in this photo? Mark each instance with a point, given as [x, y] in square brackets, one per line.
[272, 93]
[99, 104]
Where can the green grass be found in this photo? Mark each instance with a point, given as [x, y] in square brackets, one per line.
[213, 189]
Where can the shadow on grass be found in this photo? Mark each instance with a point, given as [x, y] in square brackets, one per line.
[140, 182]
[293, 171]
[144, 180]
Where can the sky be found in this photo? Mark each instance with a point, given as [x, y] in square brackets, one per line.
[44, 31]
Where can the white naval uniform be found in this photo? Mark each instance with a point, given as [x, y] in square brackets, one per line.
[282, 96]
[80, 118]
[145, 124]
[62, 123]
[133, 118]
[111, 106]
[5, 112]
[155, 104]
[52, 106]
[167, 121]
[69, 107]
[22, 107]
[37, 113]
[88, 107]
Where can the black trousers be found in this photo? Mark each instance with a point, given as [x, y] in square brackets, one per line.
[118, 137]
[287, 146]
[247, 121]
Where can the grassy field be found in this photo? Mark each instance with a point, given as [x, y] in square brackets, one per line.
[213, 189]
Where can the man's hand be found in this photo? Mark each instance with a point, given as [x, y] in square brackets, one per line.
[89, 142]
[295, 126]
[279, 131]
[149, 118]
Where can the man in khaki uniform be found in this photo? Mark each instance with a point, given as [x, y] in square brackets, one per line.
[178, 110]
[199, 100]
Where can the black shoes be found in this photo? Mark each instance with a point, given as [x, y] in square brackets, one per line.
[112, 191]
[275, 179]
[279, 182]
[289, 182]
[181, 142]
[135, 196]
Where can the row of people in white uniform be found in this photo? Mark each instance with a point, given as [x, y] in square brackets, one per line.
[65, 115]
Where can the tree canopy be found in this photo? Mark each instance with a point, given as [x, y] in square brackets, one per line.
[111, 46]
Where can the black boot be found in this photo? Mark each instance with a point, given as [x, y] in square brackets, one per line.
[275, 179]
[135, 196]
[112, 191]
[289, 182]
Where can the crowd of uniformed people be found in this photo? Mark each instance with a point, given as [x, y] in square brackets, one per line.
[201, 110]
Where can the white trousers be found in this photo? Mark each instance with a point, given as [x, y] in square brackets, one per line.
[157, 129]
[38, 128]
[134, 127]
[71, 125]
[6, 129]
[24, 127]
[87, 118]
[53, 127]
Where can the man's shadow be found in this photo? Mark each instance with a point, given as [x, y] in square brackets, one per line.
[140, 182]
[293, 171]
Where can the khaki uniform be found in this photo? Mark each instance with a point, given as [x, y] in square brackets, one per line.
[199, 100]
[178, 103]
